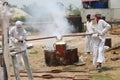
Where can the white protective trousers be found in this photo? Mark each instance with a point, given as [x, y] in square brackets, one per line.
[98, 51]
[89, 44]
[88, 38]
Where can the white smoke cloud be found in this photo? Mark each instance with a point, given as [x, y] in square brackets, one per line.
[48, 17]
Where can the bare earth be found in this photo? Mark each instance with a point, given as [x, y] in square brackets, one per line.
[111, 69]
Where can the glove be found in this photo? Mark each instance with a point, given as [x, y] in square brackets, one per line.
[21, 41]
[21, 38]
[84, 24]
[95, 35]
[16, 41]
[100, 33]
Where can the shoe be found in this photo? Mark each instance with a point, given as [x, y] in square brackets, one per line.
[88, 53]
[99, 68]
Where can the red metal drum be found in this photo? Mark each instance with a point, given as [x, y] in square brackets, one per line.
[71, 55]
[60, 48]
[50, 58]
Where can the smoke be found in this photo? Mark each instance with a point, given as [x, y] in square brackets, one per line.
[49, 18]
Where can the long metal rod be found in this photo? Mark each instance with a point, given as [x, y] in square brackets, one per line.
[49, 76]
[41, 38]
[52, 71]
[73, 35]
[69, 35]
[14, 53]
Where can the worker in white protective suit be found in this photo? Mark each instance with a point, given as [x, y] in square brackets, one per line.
[17, 36]
[99, 41]
[88, 38]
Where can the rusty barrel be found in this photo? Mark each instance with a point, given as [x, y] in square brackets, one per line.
[108, 42]
[50, 58]
[60, 48]
[71, 55]
[1, 60]
[0, 32]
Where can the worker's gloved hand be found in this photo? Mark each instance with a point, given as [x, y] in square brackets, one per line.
[101, 33]
[16, 40]
[21, 41]
[20, 38]
[95, 35]
[84, 24]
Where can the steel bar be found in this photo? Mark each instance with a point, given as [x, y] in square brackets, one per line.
[49, 76]
[113, 48]
[73, 35]
[46, 76]
[19, 52]
[41, 38]
[52, 71]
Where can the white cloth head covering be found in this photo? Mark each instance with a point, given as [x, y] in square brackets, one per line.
[19, 23]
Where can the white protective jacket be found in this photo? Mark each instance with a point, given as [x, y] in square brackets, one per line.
[16, 35]
[99, 41]
[89, 29]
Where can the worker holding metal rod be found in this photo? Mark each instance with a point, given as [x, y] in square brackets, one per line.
[99, 41]
[17, 38]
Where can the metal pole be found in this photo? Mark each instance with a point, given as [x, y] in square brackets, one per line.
[3, 61]
[41, 38]
[5, 25]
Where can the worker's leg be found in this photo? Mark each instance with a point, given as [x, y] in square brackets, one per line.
[95, 50]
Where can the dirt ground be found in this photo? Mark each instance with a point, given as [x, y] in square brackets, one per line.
[111, 69]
